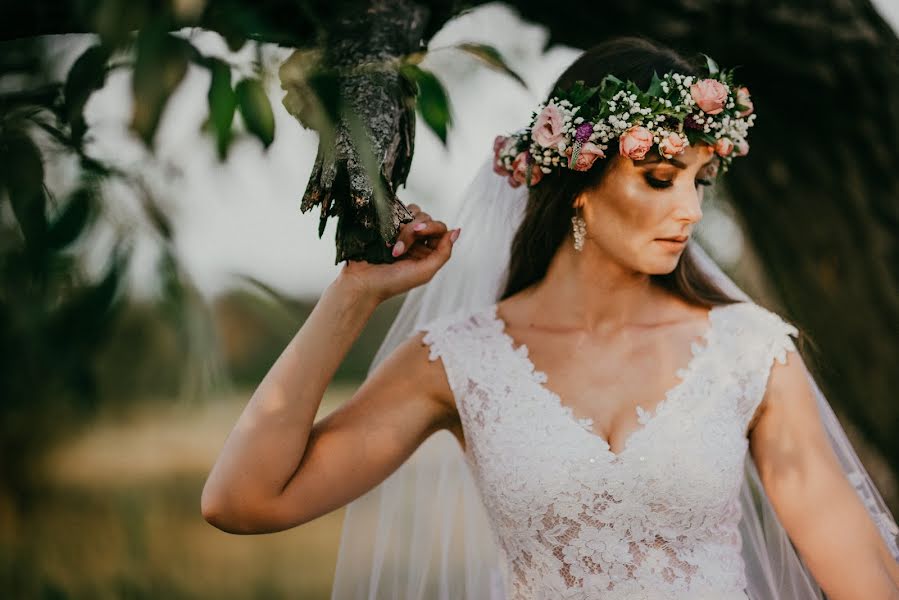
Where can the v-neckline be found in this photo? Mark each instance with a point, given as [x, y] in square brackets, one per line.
[644, 417]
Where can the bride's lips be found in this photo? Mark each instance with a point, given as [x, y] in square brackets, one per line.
[674, 243]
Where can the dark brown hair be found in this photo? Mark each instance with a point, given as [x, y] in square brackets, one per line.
[547, 216]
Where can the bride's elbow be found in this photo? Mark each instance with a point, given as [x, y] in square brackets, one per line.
[227, 514]
[241, 516]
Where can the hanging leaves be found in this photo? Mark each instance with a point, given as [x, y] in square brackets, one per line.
[23, 177]
[222, 105]
[68, 225]
[159, 68]
[256, 110]
[492, 58]
[432, 101]
[87, 75]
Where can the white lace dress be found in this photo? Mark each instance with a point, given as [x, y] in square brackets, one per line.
[571, 518]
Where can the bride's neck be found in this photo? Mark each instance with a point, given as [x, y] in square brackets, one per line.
[591, 290]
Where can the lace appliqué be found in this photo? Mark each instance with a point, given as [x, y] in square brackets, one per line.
[572, 520]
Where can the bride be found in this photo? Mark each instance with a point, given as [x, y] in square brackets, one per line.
[623, 421]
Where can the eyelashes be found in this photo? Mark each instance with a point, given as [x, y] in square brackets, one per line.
[661, 184]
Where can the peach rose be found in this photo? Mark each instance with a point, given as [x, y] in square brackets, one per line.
[586, 157]
[743, 100]
[672, 144]
[547, 130]
[635, 142]
[520, 171]
[710, 95]
[724, 146]
[741, 147]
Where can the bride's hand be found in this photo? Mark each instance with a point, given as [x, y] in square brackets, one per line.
[422, 246]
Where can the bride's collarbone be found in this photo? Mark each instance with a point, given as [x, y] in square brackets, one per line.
[605, 380]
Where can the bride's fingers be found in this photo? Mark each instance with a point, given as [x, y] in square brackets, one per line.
[407, 234]
[429, 229]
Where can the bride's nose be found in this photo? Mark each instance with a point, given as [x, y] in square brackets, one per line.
[688, 205]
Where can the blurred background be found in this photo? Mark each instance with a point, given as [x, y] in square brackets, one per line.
[155, 260]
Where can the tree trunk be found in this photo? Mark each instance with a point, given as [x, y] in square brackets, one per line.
[368, 211]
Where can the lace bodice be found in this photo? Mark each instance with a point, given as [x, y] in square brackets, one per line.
[571, 518]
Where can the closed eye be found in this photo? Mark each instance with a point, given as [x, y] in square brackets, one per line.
[660, 184]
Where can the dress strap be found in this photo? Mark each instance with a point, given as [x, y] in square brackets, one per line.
[755, 338]
[457, 339]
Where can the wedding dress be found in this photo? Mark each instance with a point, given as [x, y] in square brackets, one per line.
[660, 518]
[538, 506]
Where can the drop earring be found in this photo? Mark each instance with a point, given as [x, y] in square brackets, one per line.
[579, 228]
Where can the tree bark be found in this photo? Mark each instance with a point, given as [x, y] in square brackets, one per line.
[383, 102]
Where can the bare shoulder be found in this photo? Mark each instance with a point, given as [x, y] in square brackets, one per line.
[414, 363]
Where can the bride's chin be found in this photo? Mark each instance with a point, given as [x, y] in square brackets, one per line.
[662, 265]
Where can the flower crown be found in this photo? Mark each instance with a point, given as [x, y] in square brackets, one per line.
[576, 126]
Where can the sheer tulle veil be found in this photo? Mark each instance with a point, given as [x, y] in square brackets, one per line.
[423, 532]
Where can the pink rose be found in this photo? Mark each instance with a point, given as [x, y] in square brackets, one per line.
[520, 171]
[586, 157]
[547, 130]
[635, 142]
[671, 145]
[710, 95]
[499, 143]
[741, 147]
[724, 146]
[743, 100]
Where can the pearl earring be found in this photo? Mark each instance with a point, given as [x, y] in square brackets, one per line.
[579, 227]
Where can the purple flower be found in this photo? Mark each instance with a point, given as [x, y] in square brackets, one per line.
[583, 132]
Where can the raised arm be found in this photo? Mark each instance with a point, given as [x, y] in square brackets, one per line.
[818, 507]
[279, 468]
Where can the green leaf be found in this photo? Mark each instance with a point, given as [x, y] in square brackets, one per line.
[256, 110]
[23, 177]
[612, 79]
[160, 66]
[85, 313]
[655, 86]
[492, 58]
[432, 102]
[87, 75]
[326, 85]
[71, 221]
[222, 105]
[711, 64]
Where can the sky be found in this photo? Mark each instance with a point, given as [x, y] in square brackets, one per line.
[243, 216]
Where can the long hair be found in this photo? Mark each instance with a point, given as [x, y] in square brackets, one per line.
[547, 216]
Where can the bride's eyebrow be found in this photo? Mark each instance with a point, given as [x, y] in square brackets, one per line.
[656, 158]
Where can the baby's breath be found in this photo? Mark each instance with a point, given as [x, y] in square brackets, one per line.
[667, 111]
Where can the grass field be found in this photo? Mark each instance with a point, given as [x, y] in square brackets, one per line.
[120, 518]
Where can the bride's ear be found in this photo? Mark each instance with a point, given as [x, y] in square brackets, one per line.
[579, 202]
